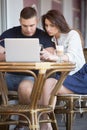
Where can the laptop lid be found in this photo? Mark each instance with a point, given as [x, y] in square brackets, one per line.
[22, 49]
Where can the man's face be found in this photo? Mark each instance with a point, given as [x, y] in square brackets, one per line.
[28, 26]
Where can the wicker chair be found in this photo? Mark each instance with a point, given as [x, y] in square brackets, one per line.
[69, 104]
[12, 95]
[85, 53]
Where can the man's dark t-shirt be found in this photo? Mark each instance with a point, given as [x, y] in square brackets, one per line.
[16, 32]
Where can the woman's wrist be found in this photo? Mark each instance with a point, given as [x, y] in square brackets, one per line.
[59, 59]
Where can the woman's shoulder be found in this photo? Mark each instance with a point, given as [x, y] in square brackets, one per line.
[74, 32]
[76, 35]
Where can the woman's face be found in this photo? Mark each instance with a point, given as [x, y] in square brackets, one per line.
[51, 29]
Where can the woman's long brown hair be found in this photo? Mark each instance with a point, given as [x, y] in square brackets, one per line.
[56, 18]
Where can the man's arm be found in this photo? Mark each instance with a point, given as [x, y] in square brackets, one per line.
[50, 49]
[2, 49]
[2, 53]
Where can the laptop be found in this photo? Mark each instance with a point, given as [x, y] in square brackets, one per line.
[22, 49]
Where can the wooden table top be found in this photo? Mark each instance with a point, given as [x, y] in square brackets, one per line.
[36, 65]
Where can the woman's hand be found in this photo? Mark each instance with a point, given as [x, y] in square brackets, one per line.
[47, 56]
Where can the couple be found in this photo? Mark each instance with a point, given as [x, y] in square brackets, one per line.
[56, 31]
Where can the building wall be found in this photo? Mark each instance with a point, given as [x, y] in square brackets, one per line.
[76, 9]
[57, 4]
[67, 11]
[0, 18]
[70, 8]
[13, 12]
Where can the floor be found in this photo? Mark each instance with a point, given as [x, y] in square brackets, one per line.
[80, 123]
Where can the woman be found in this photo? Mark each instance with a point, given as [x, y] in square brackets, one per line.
[56, 26]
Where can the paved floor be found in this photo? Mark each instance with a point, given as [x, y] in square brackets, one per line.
[80, 123]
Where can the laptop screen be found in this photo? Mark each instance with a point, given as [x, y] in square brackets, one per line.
[22, 49]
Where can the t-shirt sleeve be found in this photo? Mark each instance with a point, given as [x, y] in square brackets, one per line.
[2, 40]
[46, 41]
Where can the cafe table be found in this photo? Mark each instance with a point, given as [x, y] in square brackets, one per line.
[45, 70]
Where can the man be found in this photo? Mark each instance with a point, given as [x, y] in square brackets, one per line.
[28, 29]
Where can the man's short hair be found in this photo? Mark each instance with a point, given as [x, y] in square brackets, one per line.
[28, 12]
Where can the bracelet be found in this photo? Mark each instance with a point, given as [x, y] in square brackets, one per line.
[60, 59]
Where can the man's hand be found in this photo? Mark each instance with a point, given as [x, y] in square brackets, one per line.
[47, 56]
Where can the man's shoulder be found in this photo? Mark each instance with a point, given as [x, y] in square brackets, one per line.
[13, 28]
[11, 31]
[44, 38]
[41, 32]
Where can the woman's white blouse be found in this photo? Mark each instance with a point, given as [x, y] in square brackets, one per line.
[73, 48]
